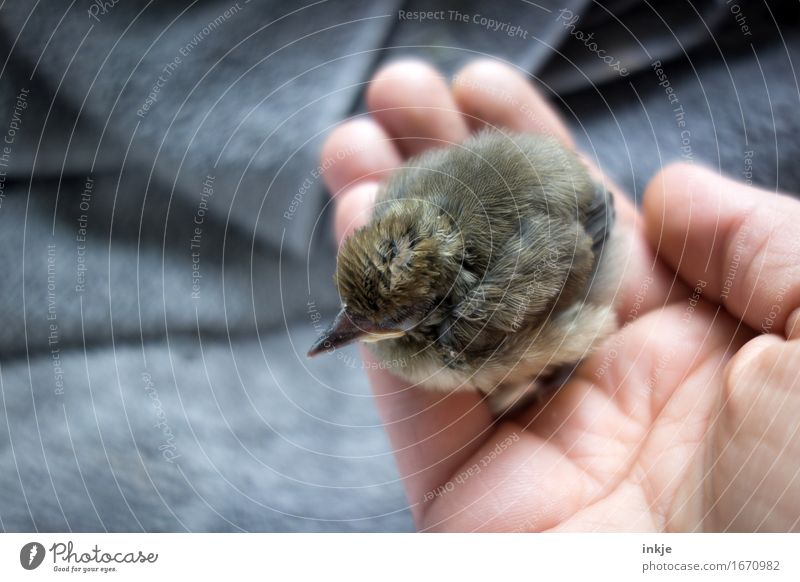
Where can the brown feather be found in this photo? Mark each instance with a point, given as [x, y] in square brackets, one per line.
[492, 253]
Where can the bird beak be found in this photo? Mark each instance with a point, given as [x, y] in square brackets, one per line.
[346, 329]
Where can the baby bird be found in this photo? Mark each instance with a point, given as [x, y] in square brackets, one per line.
[485, 266]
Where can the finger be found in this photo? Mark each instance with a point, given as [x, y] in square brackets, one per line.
[793, 325]
[431, 432]
[354, 158]
[353, 209]
[414, 104]
[757, 439]
[494, 94]
[359, 150]
[744, 242]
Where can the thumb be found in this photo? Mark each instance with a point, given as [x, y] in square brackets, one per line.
[756, 443]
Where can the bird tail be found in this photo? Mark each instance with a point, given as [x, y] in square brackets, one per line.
[599, 218]
[606, 271]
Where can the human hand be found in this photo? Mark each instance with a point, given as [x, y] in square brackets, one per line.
[684, 420]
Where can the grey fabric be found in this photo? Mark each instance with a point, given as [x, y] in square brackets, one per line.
[160, 401]
[179, 435]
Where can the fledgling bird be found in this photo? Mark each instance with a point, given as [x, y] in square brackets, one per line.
[486, 265]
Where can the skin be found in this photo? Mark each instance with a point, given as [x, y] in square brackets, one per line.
[686, 420]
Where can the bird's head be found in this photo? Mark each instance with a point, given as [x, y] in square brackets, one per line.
[391, 274]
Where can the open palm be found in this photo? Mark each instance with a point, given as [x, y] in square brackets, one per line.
[687, 419]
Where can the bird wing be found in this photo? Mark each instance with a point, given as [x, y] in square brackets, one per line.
[544, 263]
